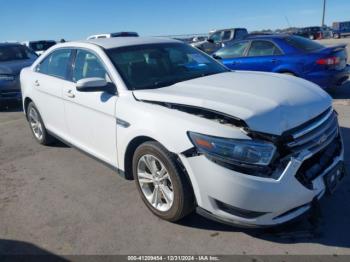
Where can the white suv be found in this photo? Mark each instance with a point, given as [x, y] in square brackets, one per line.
[248, 148]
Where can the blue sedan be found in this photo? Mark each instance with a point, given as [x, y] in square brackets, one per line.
[288, 54]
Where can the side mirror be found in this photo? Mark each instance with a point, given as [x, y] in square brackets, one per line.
[216, 56]
[92, 84]
[210, 41]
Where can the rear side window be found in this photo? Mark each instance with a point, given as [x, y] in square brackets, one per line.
[263, 48]
[303, 44]
[56, 64]
[240, 33]
[226, 35]
[236, 50]
[88, 65]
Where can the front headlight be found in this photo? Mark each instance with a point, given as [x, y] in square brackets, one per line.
[234, 151]
[7, 77]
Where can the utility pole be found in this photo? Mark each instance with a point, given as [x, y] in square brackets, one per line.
[324, 12]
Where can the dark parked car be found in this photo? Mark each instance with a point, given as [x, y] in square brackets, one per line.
[13, 57]
[341, 29]
[315, 32]
[293, 55]
[41, 46]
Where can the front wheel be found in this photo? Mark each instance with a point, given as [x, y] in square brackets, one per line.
[163, 186]
[37, 126]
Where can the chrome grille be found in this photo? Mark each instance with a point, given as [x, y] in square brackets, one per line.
[315, 135]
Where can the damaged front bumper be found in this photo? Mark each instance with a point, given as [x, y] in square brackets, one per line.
[239, 199]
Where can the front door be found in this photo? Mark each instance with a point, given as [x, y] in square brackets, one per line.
[90, 116]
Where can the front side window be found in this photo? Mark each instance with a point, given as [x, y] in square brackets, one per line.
[87, 65]
[263, 48]
[159, 65]
[236, 50]
[56, 64]
[216, 37]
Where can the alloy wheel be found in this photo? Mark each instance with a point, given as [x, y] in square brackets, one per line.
[155, 182]
[35, 123]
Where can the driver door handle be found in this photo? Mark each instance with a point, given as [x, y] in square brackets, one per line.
[70, 94]
[36, 83]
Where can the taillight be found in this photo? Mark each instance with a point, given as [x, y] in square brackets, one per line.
[319, 35]
[328, 61]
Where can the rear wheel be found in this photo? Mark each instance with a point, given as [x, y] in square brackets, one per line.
[37, 126]
[163, 186]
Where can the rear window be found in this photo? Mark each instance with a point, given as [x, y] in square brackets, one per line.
[303, 44]
[15, 52]
[129, 34]
[41, 46]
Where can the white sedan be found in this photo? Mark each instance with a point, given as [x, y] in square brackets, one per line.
[246, 148]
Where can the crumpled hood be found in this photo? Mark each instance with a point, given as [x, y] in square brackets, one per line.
[270, 103]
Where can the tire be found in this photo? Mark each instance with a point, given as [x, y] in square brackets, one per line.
[174, 198]
[37, 126]
[311, 37]
[336, 36]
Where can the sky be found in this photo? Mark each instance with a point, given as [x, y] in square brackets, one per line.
[22, 20]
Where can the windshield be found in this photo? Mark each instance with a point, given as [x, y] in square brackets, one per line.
[158, 65]
[41, 46]
[303, 43]
[15, 52]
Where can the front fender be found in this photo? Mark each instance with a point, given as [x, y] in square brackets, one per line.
[167, 126]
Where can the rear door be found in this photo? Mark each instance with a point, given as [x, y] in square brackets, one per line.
[49, 78]
[90, 116]
[262, 55]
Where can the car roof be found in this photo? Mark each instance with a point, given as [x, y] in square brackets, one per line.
[39, 41]
[10, 44]
[114, 42]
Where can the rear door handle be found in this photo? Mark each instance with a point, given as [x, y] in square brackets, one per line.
[70, 94]
[36, 83]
